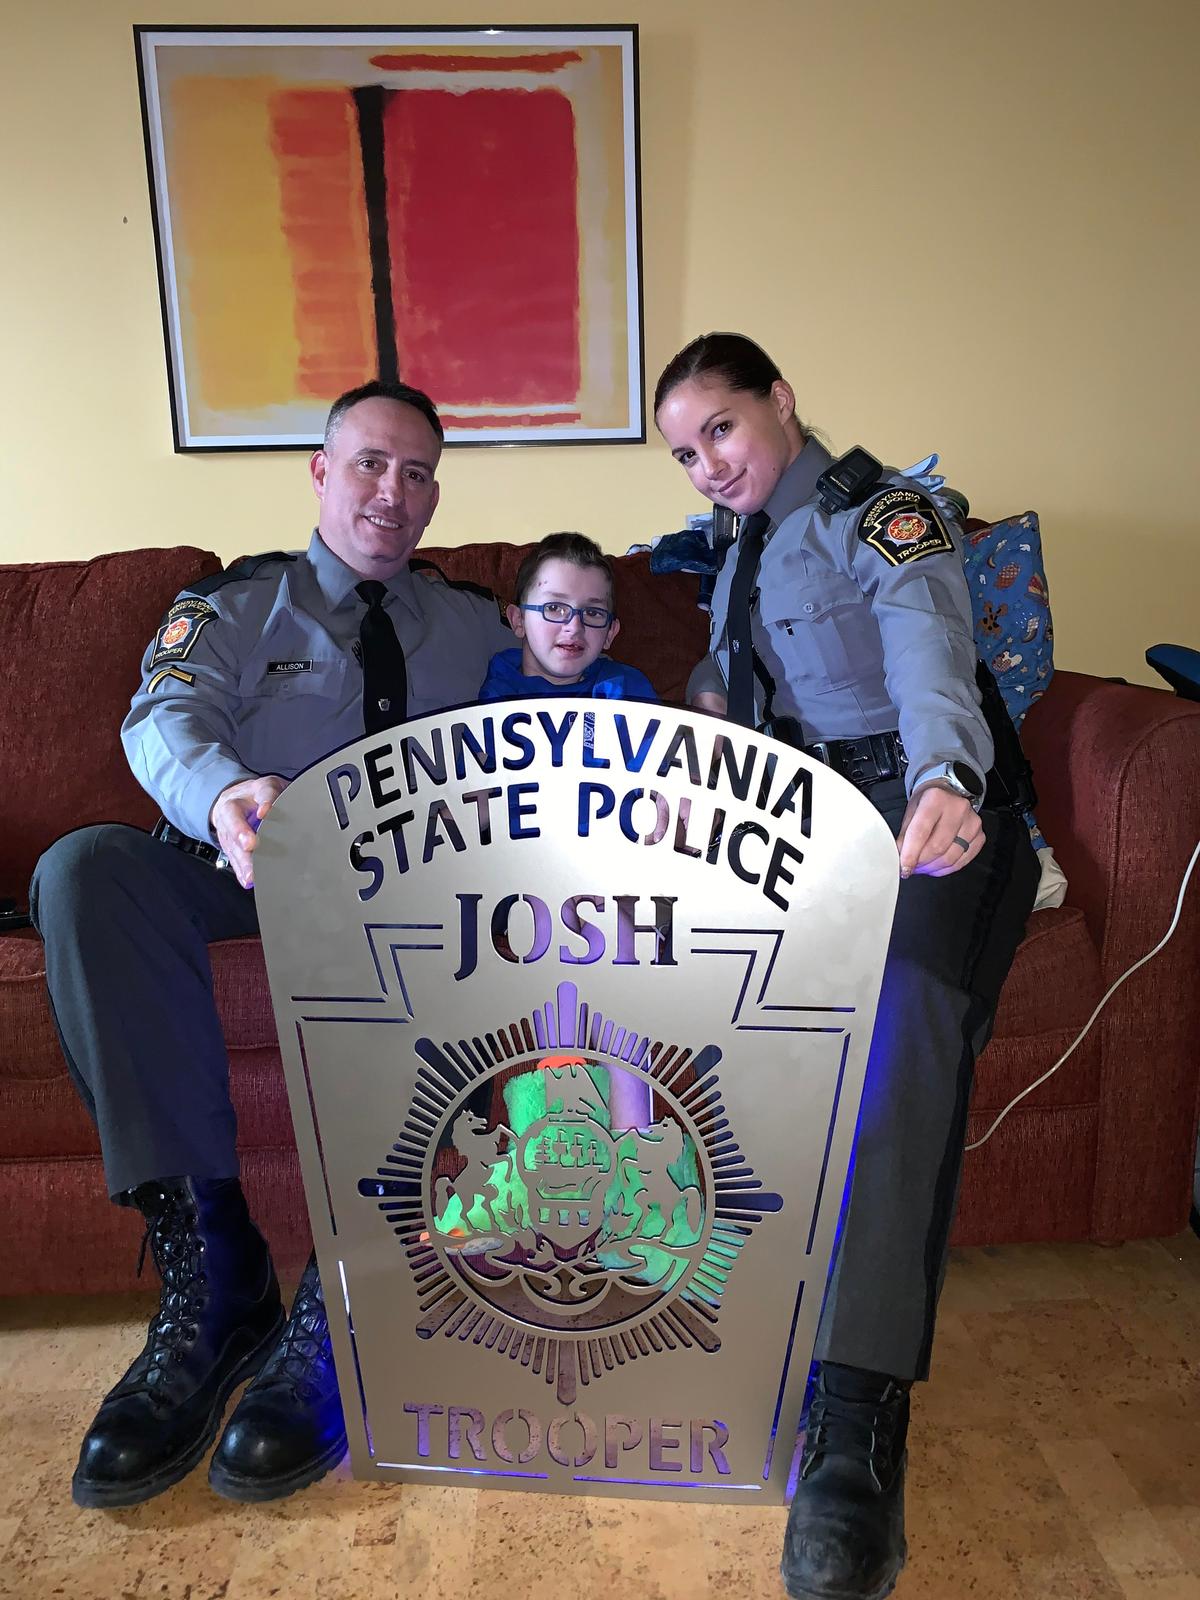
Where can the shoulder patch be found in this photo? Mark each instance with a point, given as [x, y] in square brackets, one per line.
[902, 526]
[247, 567]
[180, 629]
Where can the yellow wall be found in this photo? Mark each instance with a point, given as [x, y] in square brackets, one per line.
[956, 224]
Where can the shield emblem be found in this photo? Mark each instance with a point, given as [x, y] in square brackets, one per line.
[574, 999]
[903, 530]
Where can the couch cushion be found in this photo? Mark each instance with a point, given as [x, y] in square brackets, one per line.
[663, 630]
[243, 996]
[42, 1117]
[79, 628]
[1052, 988]
[40, 1114]
[1055, 980]
[1049, 994]
[30, 1044]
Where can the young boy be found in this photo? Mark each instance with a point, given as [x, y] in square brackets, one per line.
[564, 618]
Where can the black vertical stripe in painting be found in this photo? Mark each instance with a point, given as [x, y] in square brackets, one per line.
[370, 103]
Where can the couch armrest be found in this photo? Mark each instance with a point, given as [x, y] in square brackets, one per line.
[61, 723]
[1117, 768]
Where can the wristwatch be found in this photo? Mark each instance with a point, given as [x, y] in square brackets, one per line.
[956, 776]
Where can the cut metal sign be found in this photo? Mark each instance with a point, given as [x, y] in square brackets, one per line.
[574, 999]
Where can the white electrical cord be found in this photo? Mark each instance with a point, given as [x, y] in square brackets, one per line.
[1083, 1031]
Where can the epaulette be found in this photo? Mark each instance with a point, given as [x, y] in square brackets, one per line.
[848, 481]
[185, 620]
[432, 573]
[247, 567]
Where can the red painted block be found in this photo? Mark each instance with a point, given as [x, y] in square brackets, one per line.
[482, 216]
[433, 61]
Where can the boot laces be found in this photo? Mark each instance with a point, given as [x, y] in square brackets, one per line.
[862, 1430]
[178, 1254]
[304, 1355]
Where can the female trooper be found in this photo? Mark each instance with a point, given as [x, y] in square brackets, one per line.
[842, 615]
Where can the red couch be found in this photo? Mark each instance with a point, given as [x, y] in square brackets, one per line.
[1102, 1151]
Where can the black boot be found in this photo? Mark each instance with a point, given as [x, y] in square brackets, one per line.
[218, 1317]
[845, 1530]
[288, 1429]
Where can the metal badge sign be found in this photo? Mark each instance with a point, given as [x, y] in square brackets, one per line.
[574, 999]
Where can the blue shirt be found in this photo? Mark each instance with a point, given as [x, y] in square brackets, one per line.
[602, 680]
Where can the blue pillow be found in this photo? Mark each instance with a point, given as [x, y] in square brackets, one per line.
[1010, 601]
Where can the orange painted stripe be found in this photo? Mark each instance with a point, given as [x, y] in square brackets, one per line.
[547, 61]
[314, 134]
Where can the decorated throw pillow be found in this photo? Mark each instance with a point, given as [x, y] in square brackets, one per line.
[1011, 605]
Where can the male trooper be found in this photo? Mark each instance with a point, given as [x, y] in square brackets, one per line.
[254, 674]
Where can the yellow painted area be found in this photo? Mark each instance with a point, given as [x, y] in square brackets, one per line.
[958, 227]
[235, 273]
[596, 96]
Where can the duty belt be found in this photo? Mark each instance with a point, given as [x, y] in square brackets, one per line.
[873, 758]
[164, 831]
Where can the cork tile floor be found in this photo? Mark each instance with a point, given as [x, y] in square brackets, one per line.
[1055, 1453]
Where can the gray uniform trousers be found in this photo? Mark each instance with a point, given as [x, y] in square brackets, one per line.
[127, 921]
[952, 942]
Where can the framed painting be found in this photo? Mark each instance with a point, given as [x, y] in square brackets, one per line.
[456, 208]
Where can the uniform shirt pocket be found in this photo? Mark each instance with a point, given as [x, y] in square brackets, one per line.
[277, 680]
[821, 628]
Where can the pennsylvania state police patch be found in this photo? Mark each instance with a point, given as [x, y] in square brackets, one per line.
[903, 526]
[180, 629]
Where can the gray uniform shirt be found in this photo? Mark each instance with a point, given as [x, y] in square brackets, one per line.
[862, 637]
[256, 674]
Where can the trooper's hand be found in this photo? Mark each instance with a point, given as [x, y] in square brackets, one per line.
[236, 815]
[940, 833]
[922, 472]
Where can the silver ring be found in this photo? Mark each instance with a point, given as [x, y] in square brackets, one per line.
[962, 844]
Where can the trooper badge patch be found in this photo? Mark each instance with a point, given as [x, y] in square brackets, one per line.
[903, 526]
[180, 629]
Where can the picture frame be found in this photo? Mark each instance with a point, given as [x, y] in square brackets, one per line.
[456, 207]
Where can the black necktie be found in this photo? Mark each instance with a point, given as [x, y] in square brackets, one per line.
[385, 676]
[741, 645]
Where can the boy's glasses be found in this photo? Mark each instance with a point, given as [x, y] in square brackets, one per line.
[558, 611]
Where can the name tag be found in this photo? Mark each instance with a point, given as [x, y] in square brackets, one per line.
[276, 667]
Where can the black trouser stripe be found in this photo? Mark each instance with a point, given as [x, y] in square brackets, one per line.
[979, 1014]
